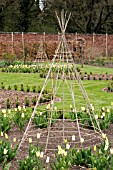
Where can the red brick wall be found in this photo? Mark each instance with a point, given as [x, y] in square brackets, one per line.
[95, 46]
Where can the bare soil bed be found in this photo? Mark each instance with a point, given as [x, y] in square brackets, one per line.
[55, 139]
[89, 77]
[13, 95]
[106, 90]
[98, 77]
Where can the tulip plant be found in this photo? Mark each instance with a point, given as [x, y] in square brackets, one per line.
[20, 117]
[104, 118]
[99, 157]
[33, 159]
[7, 153]
[5, 122]
[41, 119]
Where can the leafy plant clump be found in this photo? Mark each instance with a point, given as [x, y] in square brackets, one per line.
[41, 119]
[34, 100]
[8, 103]
[110, 86]
[17, 102]
[15, 87]
[7, 153]
[28, 88]
[20, 117]
[33, 160]
[26, 101]
[22, 87]
[5, 122]
[99, 157]
[104, 118]
[2, 85]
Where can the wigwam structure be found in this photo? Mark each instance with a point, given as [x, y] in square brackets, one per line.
[67, 119]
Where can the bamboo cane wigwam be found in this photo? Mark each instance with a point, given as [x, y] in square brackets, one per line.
[59, 129]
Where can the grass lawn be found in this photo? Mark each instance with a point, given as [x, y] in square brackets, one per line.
[95, 69]
[93, 88]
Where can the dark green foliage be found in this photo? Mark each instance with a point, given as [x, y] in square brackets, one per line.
[17, 103]
[94, 78]
[31, 161]
[20, 117]
[26, 101]
[9, 87]
[82, 78]
[5, 123]
[11, 153]
[2, 85]
[34, 88]
[88, 77]
[34, 99]
[78, 69]
[41, 119]
[99, 159]
[15, 87]
[100, 78]
[22, 87]
[86, 16]
[28, 88]
[39, 89]
[8, 103]
[110, 86]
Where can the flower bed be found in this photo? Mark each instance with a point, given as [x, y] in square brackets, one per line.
[65, 155]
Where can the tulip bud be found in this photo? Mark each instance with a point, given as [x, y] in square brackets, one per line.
[111, 151]
[5, 151]
[95, 148]
[67, 146]
[6, 136]
[41, 155]
[2, 133]
[38, 135]
[38, 153]
[30, 140]
[82, 140]
[14, 139]
[73, 138]
[47, 160]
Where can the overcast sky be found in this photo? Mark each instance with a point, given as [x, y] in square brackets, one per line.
[41, 4]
